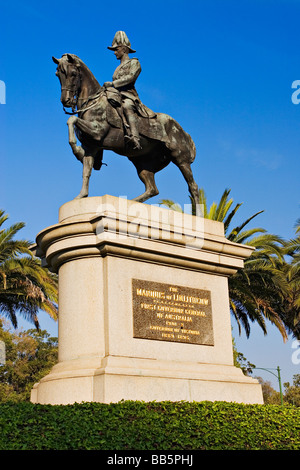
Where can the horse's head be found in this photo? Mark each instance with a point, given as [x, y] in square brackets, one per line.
[68, 72]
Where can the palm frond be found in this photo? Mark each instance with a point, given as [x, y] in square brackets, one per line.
[297, 226]
[244, 236]
[3, 217]
[223, 206]
[237, 229]
[212, 211]
[171, 205]
[25, 286]
[268, 287]
[203, 202]
[230, 216]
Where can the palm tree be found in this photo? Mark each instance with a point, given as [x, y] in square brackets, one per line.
[253, 291]
[25, 286]
[289, 279]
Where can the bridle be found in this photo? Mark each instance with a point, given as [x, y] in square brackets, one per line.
[74, 90]
[75, 93]
[83, 109]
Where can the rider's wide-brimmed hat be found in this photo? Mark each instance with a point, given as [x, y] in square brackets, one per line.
[120, 39]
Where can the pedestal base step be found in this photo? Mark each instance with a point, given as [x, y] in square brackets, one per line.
[112, 379]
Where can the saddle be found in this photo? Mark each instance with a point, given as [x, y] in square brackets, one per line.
[147, 121]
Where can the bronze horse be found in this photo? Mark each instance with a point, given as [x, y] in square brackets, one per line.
[98, 127]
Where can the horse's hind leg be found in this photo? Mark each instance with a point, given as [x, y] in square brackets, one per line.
[147, 177]
[187, 173]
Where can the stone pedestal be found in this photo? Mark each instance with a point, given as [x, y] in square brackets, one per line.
[143, 306]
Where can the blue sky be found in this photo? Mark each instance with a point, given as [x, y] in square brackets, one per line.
[222, 68]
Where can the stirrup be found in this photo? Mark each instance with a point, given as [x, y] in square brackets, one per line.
[134, 140]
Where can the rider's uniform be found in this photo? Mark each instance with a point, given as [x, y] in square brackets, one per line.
[124, 79]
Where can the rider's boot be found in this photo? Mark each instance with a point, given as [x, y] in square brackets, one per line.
[134, 138]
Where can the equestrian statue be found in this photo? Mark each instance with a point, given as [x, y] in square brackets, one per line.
[112, 117]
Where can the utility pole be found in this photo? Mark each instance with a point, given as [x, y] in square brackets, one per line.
[278, 376]
[280, 387]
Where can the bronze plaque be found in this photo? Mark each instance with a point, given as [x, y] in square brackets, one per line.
[168, 312]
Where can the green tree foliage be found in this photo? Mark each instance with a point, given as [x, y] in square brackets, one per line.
[256, 291]
[292, 392]
[288, 273]
[273, 273]
[25, 286]
[29, 356]
[270, 395]
[241, 361]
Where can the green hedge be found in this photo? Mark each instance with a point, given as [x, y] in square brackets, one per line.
[131, 425]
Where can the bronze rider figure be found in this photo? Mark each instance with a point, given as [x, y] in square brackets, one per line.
[123, 82]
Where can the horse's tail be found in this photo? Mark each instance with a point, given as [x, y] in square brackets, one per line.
[192, 147]
[183, 140]
[165, 129]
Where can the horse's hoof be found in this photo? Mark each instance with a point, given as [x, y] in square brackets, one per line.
[199, 212]
[81, 196]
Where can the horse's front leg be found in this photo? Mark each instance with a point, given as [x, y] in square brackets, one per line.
[77, 150]
[88, 163]
[91, 128]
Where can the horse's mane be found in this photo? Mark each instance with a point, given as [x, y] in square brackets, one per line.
[72, 55]
[79, 62]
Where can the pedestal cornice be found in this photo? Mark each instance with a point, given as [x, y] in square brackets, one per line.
[110, 226]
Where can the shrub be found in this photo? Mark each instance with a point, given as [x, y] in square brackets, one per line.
[132, 425]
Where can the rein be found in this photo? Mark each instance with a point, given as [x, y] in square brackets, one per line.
[83, 110]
